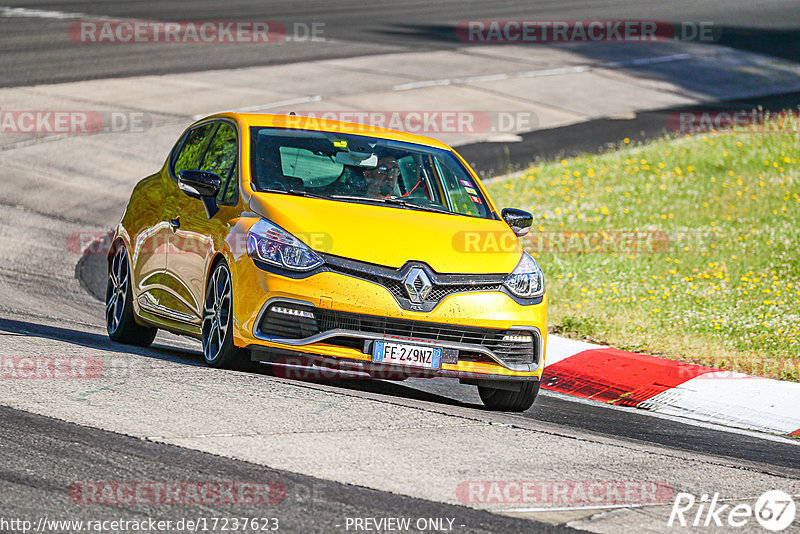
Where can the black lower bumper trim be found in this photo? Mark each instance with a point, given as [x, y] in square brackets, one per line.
[270, 355]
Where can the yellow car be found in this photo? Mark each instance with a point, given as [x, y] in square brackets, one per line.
[285, 239]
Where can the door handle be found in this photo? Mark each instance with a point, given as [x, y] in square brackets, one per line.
[175, 223]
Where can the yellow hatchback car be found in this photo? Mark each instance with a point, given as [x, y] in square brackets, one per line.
[285, 239]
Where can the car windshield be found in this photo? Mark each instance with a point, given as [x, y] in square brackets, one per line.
[364, 169]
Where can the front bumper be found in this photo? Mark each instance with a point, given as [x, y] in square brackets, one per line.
[311, 366]
[483, 333]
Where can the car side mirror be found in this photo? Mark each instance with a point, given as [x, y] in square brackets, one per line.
[520, 221]
[201, 185]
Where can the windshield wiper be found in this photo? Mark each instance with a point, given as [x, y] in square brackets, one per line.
[302, 193]
[392, 201]
[412, 205]
[295, 192]
[357, 199]
[350, 198]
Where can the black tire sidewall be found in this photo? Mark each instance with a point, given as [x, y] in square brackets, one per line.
[128, 330]
[229, 356]
[510, 401]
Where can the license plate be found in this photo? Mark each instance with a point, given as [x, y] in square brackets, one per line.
[405, 354]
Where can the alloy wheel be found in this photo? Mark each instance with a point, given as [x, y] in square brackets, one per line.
[117, 292]
[216, 313]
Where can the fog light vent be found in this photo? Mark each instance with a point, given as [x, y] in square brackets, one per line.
[292, 311]
[518, 338]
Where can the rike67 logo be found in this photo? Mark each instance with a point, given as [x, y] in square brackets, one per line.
[774, 510]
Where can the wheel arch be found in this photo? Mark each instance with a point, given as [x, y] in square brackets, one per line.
[119, 238]
[218, 258]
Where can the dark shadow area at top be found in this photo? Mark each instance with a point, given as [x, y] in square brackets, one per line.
[780, 43]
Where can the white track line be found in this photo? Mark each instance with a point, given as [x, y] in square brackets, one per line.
[543, 72]
[614, 506]
[708, 425]
[280, 103]
[576, 508]
[21, 12]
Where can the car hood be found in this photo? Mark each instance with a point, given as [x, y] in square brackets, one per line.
[391, 236]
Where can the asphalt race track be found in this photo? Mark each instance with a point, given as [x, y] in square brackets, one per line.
[34, 52]
[158, 414]
[36, 482]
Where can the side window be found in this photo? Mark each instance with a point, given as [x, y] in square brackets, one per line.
[413, 179]
[193, 148]
[227, 194]
[464, 198]
[220, 158]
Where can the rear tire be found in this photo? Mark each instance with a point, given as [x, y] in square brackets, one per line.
[503, 400]
[120, 320]
[217, 328]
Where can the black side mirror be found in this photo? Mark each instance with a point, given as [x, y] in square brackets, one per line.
[203, 186]
[520, 221]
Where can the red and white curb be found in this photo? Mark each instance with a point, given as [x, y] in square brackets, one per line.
[672, 388]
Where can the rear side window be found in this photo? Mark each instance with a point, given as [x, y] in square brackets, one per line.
[193, 148]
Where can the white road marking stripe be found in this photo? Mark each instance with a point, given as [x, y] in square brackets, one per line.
[418, 85]
[290, 102]
[708, 425]
[733, 399]
[560, 348]
[612, 506]
[543, 72]
[574, 508]
[280, 103]
[21, 12]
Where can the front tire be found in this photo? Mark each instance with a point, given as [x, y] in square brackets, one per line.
[217, 328]
[120, 321]
[503, 400]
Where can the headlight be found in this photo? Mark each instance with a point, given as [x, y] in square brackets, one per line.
[527, 280]
[273, 245]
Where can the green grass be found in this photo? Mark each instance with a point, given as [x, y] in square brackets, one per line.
[684, 247]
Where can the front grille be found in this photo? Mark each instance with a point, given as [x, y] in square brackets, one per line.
[438, 292]
[274, 324]
[395, 286]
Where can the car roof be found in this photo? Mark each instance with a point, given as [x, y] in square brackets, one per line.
[300, 122]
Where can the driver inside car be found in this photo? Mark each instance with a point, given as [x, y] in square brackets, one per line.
[382, 180]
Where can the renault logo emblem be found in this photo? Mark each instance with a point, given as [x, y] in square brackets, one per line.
[417, 285]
